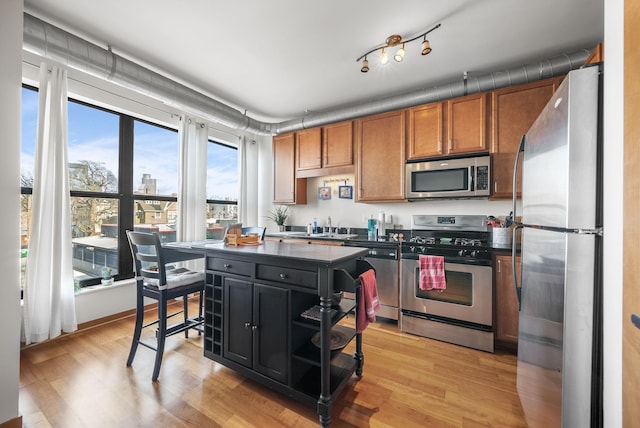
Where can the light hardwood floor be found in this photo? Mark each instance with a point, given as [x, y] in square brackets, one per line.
[81, 380]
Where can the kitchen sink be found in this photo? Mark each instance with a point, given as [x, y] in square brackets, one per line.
[288, 233]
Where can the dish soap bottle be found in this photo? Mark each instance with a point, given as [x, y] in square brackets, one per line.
[315, 225]
[309, 229]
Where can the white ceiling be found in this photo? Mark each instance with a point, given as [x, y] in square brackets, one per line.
[278, 59]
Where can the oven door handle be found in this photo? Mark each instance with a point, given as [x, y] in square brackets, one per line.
[517, 288]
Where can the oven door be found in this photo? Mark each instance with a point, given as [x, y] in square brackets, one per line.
[467, 298]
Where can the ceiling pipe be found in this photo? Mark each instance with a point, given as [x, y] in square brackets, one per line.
[48, 41]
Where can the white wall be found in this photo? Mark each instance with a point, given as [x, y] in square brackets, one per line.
[10, 76]
[346, 212]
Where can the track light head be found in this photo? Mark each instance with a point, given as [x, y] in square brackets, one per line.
[426, 47]
[365, 65]
[383, 57]
[399, 56]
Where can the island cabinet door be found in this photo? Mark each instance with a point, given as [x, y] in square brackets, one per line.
[270, 338]
[238, 318]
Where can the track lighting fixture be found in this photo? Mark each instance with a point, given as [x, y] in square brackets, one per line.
[395, 40]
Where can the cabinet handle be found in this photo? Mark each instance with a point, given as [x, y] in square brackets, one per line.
[254, 328]
[450, 144]
[495, 187]
[499, 266]
[247, 325]
[283, 276]
[227, 266]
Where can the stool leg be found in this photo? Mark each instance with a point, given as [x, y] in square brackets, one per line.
[162, 332]
[138, 327]
[185, 311]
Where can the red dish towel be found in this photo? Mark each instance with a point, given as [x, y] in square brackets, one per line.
[432, 273]
[369, 303]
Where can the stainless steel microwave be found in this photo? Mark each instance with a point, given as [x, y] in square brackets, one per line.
[448, 178]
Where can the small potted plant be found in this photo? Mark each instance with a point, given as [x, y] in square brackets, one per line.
[107, 279]
[279, 215]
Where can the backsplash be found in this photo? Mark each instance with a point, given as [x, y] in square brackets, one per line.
[345, 212]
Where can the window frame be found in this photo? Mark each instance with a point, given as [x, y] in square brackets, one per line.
[125, 195]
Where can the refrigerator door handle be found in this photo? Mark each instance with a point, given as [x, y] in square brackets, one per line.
[515, 176]
[517, 288]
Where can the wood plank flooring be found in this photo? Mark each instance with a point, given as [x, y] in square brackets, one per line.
[81, 380]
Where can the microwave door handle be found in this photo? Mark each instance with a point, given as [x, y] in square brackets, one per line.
[471, 176]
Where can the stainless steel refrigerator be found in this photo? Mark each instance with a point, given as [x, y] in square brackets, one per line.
[559, 342]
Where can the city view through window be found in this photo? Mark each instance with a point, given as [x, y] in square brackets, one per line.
[100, 191]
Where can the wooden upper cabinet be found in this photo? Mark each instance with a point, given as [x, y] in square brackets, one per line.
[308, 149]
[380, 157]
[597, 55]
[514, 109]
[425, 131]
[287, 189]
[337, 144]
[325, 150]
[466, 119]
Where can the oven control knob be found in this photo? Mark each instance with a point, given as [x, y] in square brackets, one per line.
[474, 253]
[412, 249]
[462, 253]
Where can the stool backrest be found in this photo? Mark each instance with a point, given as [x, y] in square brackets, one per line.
[147, 256]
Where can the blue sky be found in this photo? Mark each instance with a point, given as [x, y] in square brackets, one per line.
[93, 135]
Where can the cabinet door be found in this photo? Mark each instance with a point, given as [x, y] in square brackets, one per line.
[237, 341]
[380, 157]
[270, 325]
[337, 144]
[514, 110]
[506, 302]
[425, 131]
[309, 149]
[467, 128]
[287, 189]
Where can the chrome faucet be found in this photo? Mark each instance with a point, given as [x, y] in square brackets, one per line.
[329, 224]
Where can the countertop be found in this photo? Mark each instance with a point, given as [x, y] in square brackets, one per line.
[351, 240]
[321, 254]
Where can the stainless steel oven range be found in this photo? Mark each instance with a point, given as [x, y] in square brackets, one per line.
[463, 312]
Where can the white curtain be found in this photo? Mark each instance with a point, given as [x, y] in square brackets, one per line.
[242, 182]
[49, 301]
[192, 196]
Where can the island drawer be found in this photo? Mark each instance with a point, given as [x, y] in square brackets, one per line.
[302, 278]
[230, 266]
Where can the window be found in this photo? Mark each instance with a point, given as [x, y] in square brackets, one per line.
[123, 175]
[222, 188]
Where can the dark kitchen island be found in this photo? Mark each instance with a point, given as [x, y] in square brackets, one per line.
[254, 303]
